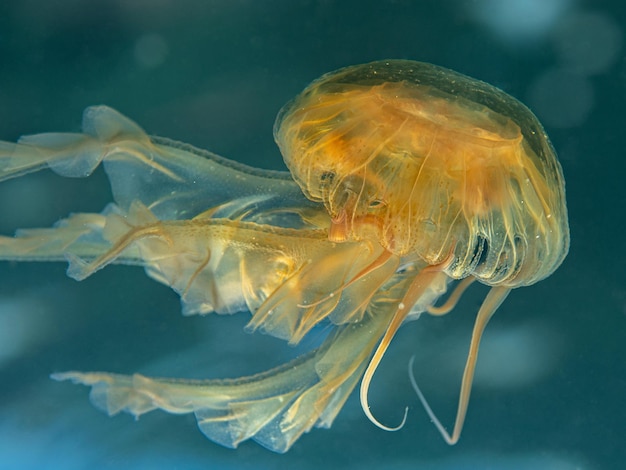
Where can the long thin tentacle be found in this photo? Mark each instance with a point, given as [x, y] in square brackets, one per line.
[491, 303]
[453, 299]
[419, 285]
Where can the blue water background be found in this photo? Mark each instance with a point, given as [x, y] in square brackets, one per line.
[551, 380]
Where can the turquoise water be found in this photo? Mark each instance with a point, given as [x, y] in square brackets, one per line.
[550, 383]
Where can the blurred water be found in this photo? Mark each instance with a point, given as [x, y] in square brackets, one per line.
[550, 384]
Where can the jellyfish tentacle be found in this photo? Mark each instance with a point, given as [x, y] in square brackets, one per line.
[80, 233]
[311, 295]
[397, 320]
[377, 263]
[273, 408]
[68, 154]
[123, 231]
[494, 299]
[418, 287]
[453, 299]
[175, 180]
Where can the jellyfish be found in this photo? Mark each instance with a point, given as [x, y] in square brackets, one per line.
[404, 179]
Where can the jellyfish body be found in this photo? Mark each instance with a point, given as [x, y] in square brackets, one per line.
[441, 163]
[415, 176]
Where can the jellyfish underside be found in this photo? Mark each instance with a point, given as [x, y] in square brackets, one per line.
[409, 186]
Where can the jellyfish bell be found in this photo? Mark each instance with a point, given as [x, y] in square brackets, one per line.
[436, 163]
[440, 168]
